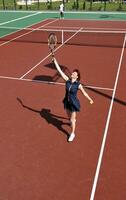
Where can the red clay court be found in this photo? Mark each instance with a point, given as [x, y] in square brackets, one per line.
[37, 162]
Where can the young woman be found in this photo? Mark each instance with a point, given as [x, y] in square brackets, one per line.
[71, 102]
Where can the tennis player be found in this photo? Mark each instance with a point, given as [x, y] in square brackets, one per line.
[71, 102]
[61, 10]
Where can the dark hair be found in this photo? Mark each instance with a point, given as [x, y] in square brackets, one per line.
[78, 73]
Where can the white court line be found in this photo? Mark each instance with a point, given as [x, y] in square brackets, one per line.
[25, 33]
[98, 88]
[107, 126]
[87, 12]
[35, 66]
[51, 82]
[29, 27]
[89, 28]
[30, 80]
[17, 19]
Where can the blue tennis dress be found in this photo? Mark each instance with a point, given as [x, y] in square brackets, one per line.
[70, 101]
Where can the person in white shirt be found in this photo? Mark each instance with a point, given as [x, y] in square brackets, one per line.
[61, 9]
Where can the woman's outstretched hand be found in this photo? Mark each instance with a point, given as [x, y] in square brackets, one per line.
[91, 101]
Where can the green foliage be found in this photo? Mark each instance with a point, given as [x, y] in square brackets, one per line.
[86, 5]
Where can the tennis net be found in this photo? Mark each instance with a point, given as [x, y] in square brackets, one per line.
[105, 38]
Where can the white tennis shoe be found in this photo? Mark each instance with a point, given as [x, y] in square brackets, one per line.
[72, 136]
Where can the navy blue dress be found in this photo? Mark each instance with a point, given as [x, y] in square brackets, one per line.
[71, 101]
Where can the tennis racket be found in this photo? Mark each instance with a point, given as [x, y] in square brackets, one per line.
[52, 42]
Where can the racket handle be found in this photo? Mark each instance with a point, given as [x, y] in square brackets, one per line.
[53, 56]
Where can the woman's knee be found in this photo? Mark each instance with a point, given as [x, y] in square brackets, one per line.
[73, 119]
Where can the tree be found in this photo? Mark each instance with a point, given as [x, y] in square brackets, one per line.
[3, 4]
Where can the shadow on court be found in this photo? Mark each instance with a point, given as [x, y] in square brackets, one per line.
[56, 76]
[107, 96]
[44, 78]
[50, 118]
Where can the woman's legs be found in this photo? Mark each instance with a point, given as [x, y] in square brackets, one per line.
[68, 114]
[73, 126]
[73, 121]
[72, 118]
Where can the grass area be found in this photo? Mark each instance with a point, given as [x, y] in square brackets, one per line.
[85, 5]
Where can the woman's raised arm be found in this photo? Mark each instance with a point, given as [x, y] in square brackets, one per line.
[63, 75]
